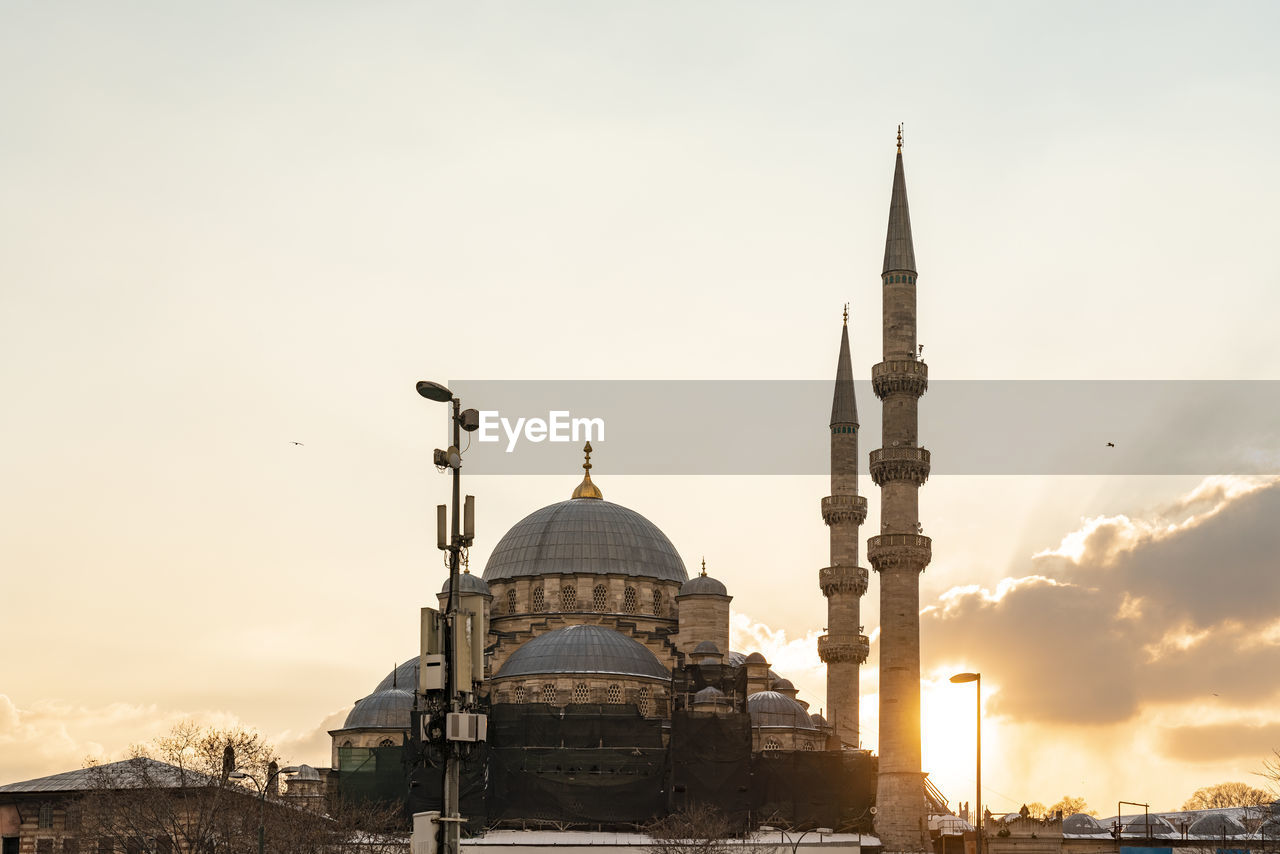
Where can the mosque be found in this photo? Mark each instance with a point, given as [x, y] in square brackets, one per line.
[588, 602]
[591, 611]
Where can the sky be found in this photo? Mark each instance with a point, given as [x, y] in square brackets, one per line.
[229, 228]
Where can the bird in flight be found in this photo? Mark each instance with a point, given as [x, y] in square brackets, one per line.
[1109, 444]
[299, 444]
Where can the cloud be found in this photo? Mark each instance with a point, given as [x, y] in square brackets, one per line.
[1218, 741]
[1127, 611]
[795, 659]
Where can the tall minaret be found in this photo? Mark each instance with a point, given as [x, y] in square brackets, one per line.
[844, 647]
[900, 552]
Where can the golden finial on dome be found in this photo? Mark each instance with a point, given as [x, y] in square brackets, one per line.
[846, 314]
[587, 489]
[704, 566]
[899, 137]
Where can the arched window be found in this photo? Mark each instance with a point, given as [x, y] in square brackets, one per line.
[581, 693]
[511, 601]
[521, 694]
[614, 694]
[346, 743]
[46, 817]
[600, 599]
[386, 742]
[630, 603]
[646, 703]
[549, 694]
[568, 598]
[657, 601]
[539, 601]
[772, 744]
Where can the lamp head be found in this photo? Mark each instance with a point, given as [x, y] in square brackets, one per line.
[966, 677]
[434, 391]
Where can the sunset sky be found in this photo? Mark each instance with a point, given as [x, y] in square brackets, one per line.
[226, 228]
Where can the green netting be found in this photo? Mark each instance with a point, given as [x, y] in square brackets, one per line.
[373, 774]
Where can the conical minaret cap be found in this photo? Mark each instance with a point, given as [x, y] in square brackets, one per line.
[899, 253]
[844, 406]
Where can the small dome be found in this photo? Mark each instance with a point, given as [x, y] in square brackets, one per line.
[708, 694]
[1216, 824]
[818, 720]
[737, 659]
[702, 585]
[1081, 823]
[756, 658]
[782, 685]
[468, 583]
[1137, 826]
[306, 774]
[583, 649]
[585, 535]
[706, 648]
[386, 709]
[769, 708]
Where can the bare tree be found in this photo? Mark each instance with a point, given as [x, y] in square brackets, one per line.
[1070, 806]
[697, 829]
[1224, 795]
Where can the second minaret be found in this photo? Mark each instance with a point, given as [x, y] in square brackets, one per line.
[844, 648]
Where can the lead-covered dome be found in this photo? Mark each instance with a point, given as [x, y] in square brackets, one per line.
[385, 709]
[467, 583]
[769, 708]
[585, 535]
[583, 649]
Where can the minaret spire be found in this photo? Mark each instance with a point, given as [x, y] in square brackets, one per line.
[844, 648]
[900, 551]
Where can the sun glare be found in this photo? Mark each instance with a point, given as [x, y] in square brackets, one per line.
[948, 733]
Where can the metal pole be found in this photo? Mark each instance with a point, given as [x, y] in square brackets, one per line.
[978, 840]
[452, 771]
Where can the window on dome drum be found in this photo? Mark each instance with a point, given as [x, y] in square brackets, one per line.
[646, 704]
[511, 601]
[539, 600]
[386, 742]
[521, 694]
[46, 816]
[600, 598]
[549, 694]
[568, 598]
[772, 744]
[581, 693]
[614, 695]
[657, 602]
[629, 601]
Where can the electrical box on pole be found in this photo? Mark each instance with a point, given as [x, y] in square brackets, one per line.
[461, 663]
[431, 664]
[468, 520]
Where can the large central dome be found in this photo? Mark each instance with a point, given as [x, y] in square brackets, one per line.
[585, 535]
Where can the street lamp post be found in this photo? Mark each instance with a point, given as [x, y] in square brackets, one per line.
[452, 458]
[262, 796]
[978, 822]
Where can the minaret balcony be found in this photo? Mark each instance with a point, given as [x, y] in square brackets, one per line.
[898, 464]
[843, 579]
[899, 376]
[899, 551]
[853, 649]
[839, 509]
